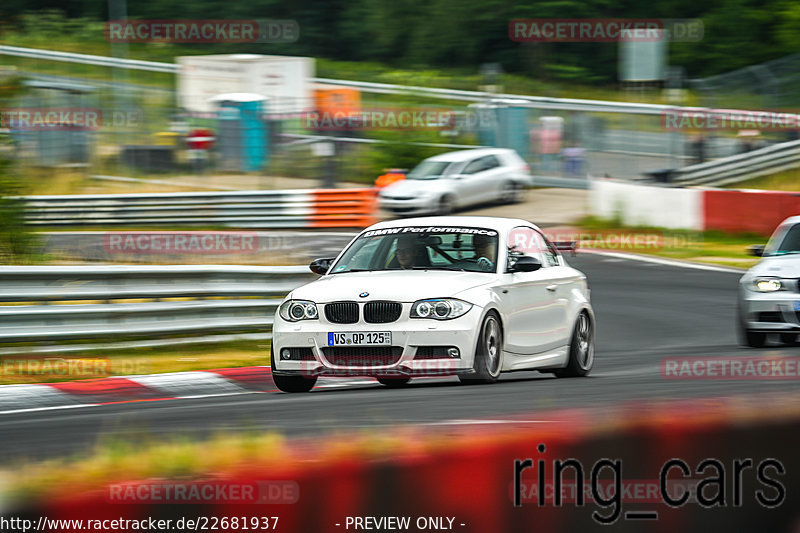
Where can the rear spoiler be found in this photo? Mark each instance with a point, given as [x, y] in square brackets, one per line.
[566, 246]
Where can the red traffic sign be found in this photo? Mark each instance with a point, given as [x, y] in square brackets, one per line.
[201, 139]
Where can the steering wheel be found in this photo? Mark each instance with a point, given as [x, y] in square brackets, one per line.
[484, 263]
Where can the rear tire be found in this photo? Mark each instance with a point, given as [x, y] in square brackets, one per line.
[510, 193]
[488, 354]
[290, 383]
[394, 383]
[581, 349]
[789, 339]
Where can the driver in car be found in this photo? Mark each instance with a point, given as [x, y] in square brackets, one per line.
[407, 252]
[485, 251]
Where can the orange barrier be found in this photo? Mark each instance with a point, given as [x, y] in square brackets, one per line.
[463, 479]
[391, 176]
[344, 208]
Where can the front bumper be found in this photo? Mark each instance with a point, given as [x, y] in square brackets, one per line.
[416, 206]
[408, 336]
[770, 312]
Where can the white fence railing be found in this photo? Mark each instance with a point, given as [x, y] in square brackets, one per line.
[181, 300]
[540, 102]
[301, 208]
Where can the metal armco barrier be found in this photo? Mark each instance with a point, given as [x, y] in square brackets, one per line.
[741, 167]
[463, 479]
[184, 300]
[313, 208]
[539, 102]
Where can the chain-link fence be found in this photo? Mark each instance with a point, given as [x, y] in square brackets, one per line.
[142, 131]
[769, 85]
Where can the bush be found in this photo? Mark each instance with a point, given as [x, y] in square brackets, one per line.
[17, 242]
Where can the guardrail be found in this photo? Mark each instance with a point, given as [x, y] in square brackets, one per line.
[314, 208]
[539, 102]
[184, 300]
[740, 167]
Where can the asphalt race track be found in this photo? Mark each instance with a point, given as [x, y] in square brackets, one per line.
[645, 312]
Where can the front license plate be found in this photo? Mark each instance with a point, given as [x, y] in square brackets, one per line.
[797, 306]
[358, 338]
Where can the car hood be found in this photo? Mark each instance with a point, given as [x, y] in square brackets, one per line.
[402, 286]
[417, 187]
[781, 266]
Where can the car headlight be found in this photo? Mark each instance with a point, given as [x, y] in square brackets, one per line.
[296, 310]
[767, 285]
[439, 308]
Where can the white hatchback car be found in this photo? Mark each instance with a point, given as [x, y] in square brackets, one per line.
[769, 293]
[454, 180]
[466, 296]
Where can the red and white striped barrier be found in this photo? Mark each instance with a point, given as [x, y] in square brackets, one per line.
[733, 211]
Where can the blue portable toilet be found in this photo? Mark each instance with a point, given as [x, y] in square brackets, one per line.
[242, 132]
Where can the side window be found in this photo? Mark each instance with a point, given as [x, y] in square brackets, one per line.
[473, 166]
[791, 240]
[490, 162]
[523, 240]
[550, 253]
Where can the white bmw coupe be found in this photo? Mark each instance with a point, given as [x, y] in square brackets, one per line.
[466, 296]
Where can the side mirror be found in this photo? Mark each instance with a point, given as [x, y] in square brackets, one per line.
[756, 250]
[321, 266]
[526, 263]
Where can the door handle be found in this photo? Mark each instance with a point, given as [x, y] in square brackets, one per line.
[552, 288]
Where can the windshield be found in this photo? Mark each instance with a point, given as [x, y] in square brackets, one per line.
[421, 248]
[431, 170]
[785, 241]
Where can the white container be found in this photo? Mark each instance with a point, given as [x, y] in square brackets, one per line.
[284, 80]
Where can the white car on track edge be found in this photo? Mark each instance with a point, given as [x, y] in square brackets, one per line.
[458, 295]
[455, 180]
[769, 293]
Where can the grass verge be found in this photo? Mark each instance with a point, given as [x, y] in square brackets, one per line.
[788, 180]
[707, 247]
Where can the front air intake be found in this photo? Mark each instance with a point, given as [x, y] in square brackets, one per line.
[342, 312]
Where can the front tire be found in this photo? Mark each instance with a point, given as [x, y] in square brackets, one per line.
[750, 338]
[488, 353]
[581, 349]
[290, 383]
[446, 206]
